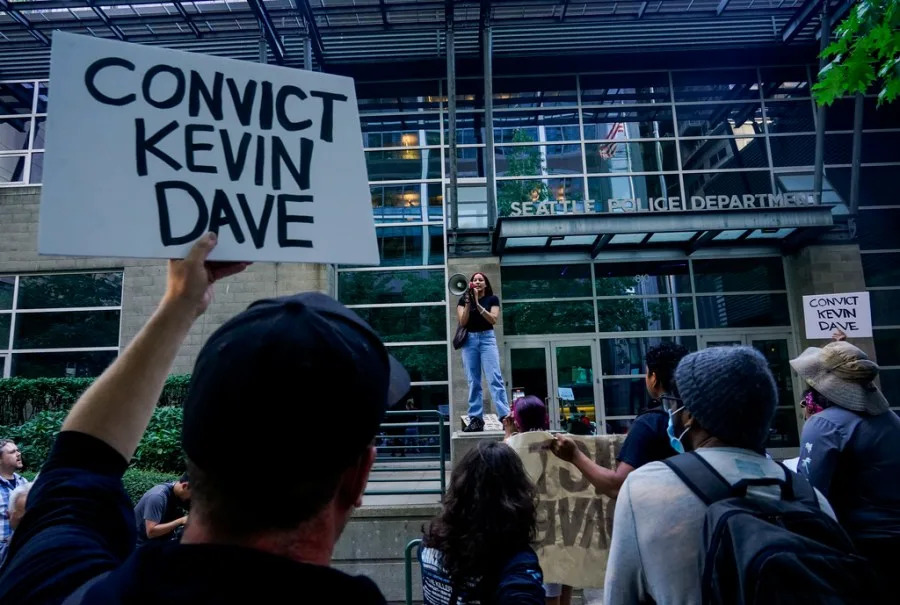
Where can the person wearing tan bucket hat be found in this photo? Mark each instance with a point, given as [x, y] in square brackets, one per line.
[850, 450]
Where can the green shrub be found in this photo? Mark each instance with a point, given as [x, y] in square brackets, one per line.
[35, 437]
[137, 481]
[160, 448]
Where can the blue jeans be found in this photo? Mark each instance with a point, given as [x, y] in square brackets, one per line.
[480, 353]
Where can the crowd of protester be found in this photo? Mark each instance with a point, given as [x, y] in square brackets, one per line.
[702, 515]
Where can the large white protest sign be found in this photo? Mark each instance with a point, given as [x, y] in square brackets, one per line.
[149, 148]
[574, 520]
[848, 312]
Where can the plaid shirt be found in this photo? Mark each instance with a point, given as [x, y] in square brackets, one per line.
[6, 488]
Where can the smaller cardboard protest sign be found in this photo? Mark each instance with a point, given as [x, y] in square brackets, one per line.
[149, 148]
[574, 520]
[848, 312]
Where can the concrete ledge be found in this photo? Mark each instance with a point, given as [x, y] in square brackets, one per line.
[461, 443]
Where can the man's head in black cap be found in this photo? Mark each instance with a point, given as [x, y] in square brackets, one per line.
[257, 413]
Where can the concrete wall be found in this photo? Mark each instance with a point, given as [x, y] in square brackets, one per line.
[373, 544]
[145, 281]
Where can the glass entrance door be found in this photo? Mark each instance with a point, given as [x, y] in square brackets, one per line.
[777, 348]
[575, 387]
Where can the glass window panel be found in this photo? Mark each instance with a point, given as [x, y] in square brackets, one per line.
[14, 133]
[799, 150]
[7, 285]
[402, 130]
[625, 396]
[877, 229]
[747, 311]
[424, 363]
[398, 203]
[469, 162]
[64, 364]
[839, 115]
[602, 189]
[404, 164]
[12, 168]
[546, 281]
[40, 129]
[618, 427]
[62, 329]
[16, 98]
[630, 157]
[719, 85]
[785, 82]
[70, 290]
[724, 119]
[881, 269]
[528, 370]
[713, 154]
[617, 89]
[430, 397]
[783, 432]
[407, 324]
[37, 168]
[469, 129]
[876, 184]
[384, 287]
[536, 160]
[628, 279]
[738, 182]
[521, 92]
[887, 349]
[885, 307]
[412, 95]
[880, 147]
[626, 356]
[739, 274]
[565, 189]
[548, 317]
[775, 350]
[400, 246]
[43, 91]
[5, 322]
[528, 126]
[890, 386]
[640, 314]
[790, 116]
[629, 123]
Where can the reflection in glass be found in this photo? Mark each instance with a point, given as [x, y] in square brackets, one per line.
[403, 130]
[16, 98]
[403, 164]
[885, 307]
[430, 397]
[628, 279]
[637, 314]
[67, 290]
[399, 246]
[717, 85]
[57, 330]
[799, 150]
[790, 116]
[783, 432]
[469, 129]
[777, 357]
[839, 115]
[785, 82]
[574, 370]
[890, 385]
[727, 183]
[385, 287]
[469, 162]
[739, 274]
[12, 168]
[877, 229]
[881, 269]
[626, 356]
[546, 281]
[538, 160]
[537, 190]
[743, 311]
[547, 91]
[14, 133]
[425, 363]
[714, 154]
[630, 157]
[37, 168]
[638, 187]
[7, 285]
[5, 321]
[548, 317]
[407, 324]
[879, 147]
[528, 370]
[729, 119]
[43, 92]
[410, 95]
[628, 123]
[625, 396]
[398, 203]
[876, 184]
[526, 126]
[622, 88]
[67, 364]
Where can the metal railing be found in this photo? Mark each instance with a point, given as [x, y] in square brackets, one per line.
[408, 564]
[412, 448]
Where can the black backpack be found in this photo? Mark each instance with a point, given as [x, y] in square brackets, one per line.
[763, 551]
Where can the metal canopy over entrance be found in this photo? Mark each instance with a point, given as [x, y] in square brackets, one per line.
[787, 228]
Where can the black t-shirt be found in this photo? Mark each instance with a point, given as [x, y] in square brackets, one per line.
[647, 440]
[477, 323]
[80, 524]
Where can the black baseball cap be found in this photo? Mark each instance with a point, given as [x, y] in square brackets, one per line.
[302, 379]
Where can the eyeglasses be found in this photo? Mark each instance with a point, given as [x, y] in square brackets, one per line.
[671, 403]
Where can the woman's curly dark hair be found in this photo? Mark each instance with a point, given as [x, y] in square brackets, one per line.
[488, 514]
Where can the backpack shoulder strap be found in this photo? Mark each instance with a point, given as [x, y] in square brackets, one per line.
[802, 490]
[77, 597]
[700, 477]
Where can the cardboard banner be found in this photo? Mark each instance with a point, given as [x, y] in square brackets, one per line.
[574, 520]
[849, 312]
[149, 148]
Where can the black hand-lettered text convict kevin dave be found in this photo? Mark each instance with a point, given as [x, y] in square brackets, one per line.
[255, 103]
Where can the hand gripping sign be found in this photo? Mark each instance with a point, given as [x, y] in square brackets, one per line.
[149, 148]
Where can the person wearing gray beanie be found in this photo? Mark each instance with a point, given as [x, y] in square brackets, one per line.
[726, 405]
[729, 392]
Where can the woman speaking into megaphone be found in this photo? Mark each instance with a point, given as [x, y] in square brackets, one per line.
[478, 310]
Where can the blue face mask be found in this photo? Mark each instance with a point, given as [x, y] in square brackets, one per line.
[674, 441]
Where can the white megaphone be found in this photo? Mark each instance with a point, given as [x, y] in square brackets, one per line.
[458, 284]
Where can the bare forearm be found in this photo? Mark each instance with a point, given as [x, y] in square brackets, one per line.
[162, 529]
[118, 406]
[607, 481]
